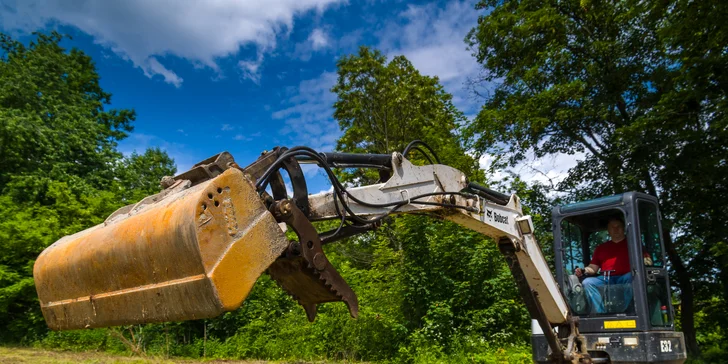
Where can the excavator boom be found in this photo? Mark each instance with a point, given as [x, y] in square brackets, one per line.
[196, 249]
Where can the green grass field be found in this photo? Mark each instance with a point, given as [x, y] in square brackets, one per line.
[41, 356]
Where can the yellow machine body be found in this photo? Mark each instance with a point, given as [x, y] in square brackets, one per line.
[194, 253]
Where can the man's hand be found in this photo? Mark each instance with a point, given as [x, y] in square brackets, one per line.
[589, 270]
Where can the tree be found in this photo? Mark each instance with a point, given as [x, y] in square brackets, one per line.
[139, 174]
[60, 171]
[609, 79]
[52, 118]
[382, 106]
[691, 122]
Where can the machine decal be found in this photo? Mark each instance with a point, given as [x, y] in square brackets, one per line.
[666, 346]
[503, 219]
[496, 217]
[621, 324]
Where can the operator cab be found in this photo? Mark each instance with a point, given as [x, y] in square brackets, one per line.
[626, 315]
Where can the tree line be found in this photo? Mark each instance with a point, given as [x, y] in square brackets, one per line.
[638, 87]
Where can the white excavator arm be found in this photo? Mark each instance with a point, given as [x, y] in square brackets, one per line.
[441, 188]
[445, 191]
[196, 249]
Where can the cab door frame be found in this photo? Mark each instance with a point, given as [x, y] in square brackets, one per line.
[663, 269]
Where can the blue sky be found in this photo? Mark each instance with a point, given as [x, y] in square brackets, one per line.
[245, 76]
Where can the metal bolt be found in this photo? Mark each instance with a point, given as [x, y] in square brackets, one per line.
[319, 261]
[294, 248]
[285, 207]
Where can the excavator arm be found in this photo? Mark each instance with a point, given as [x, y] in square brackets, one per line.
[196, 249]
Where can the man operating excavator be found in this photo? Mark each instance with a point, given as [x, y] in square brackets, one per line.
[612, 257]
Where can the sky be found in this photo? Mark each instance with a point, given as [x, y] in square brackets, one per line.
[246, 76]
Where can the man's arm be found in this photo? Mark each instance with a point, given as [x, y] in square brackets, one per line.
[593, 266]
[590, 270]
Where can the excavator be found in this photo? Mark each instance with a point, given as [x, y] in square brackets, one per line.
[195, 250]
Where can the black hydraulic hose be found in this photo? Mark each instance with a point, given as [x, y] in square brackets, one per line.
[352, 159]
[413, 143]
[339, 189]
[488, 194]
[423, 153]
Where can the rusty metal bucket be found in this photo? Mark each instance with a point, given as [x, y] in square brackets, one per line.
[190, 254]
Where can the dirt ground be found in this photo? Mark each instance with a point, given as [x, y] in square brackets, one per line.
[30, 355]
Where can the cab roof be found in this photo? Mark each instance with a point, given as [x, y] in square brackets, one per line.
[593, 215]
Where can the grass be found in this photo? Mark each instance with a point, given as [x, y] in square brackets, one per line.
[41, 356]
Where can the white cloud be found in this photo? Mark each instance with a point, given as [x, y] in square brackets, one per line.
[548, 170]
[152, 67]
[307, 114]
[143, 31]
[227, 127]
[328, 190]
[432, 38]
[251, 69]
[485, 162]
[318, 39]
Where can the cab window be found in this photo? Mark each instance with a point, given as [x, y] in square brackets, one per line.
[605, 293]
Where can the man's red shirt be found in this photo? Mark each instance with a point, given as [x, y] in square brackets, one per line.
[612, 256]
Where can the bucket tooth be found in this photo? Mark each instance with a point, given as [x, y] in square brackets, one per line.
[310, 287]
[310, 311]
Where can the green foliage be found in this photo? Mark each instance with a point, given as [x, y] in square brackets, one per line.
[138, 176]
[574, 74]
[639, 86]
[382, 106]
[52, 121]
[82, 340]
[60, 171]
[457, 284]
[452, 285]
[26, 228]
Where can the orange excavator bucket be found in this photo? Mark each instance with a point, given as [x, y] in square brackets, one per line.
[191, 252]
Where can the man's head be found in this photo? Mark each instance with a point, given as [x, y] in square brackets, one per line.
[615, 228]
